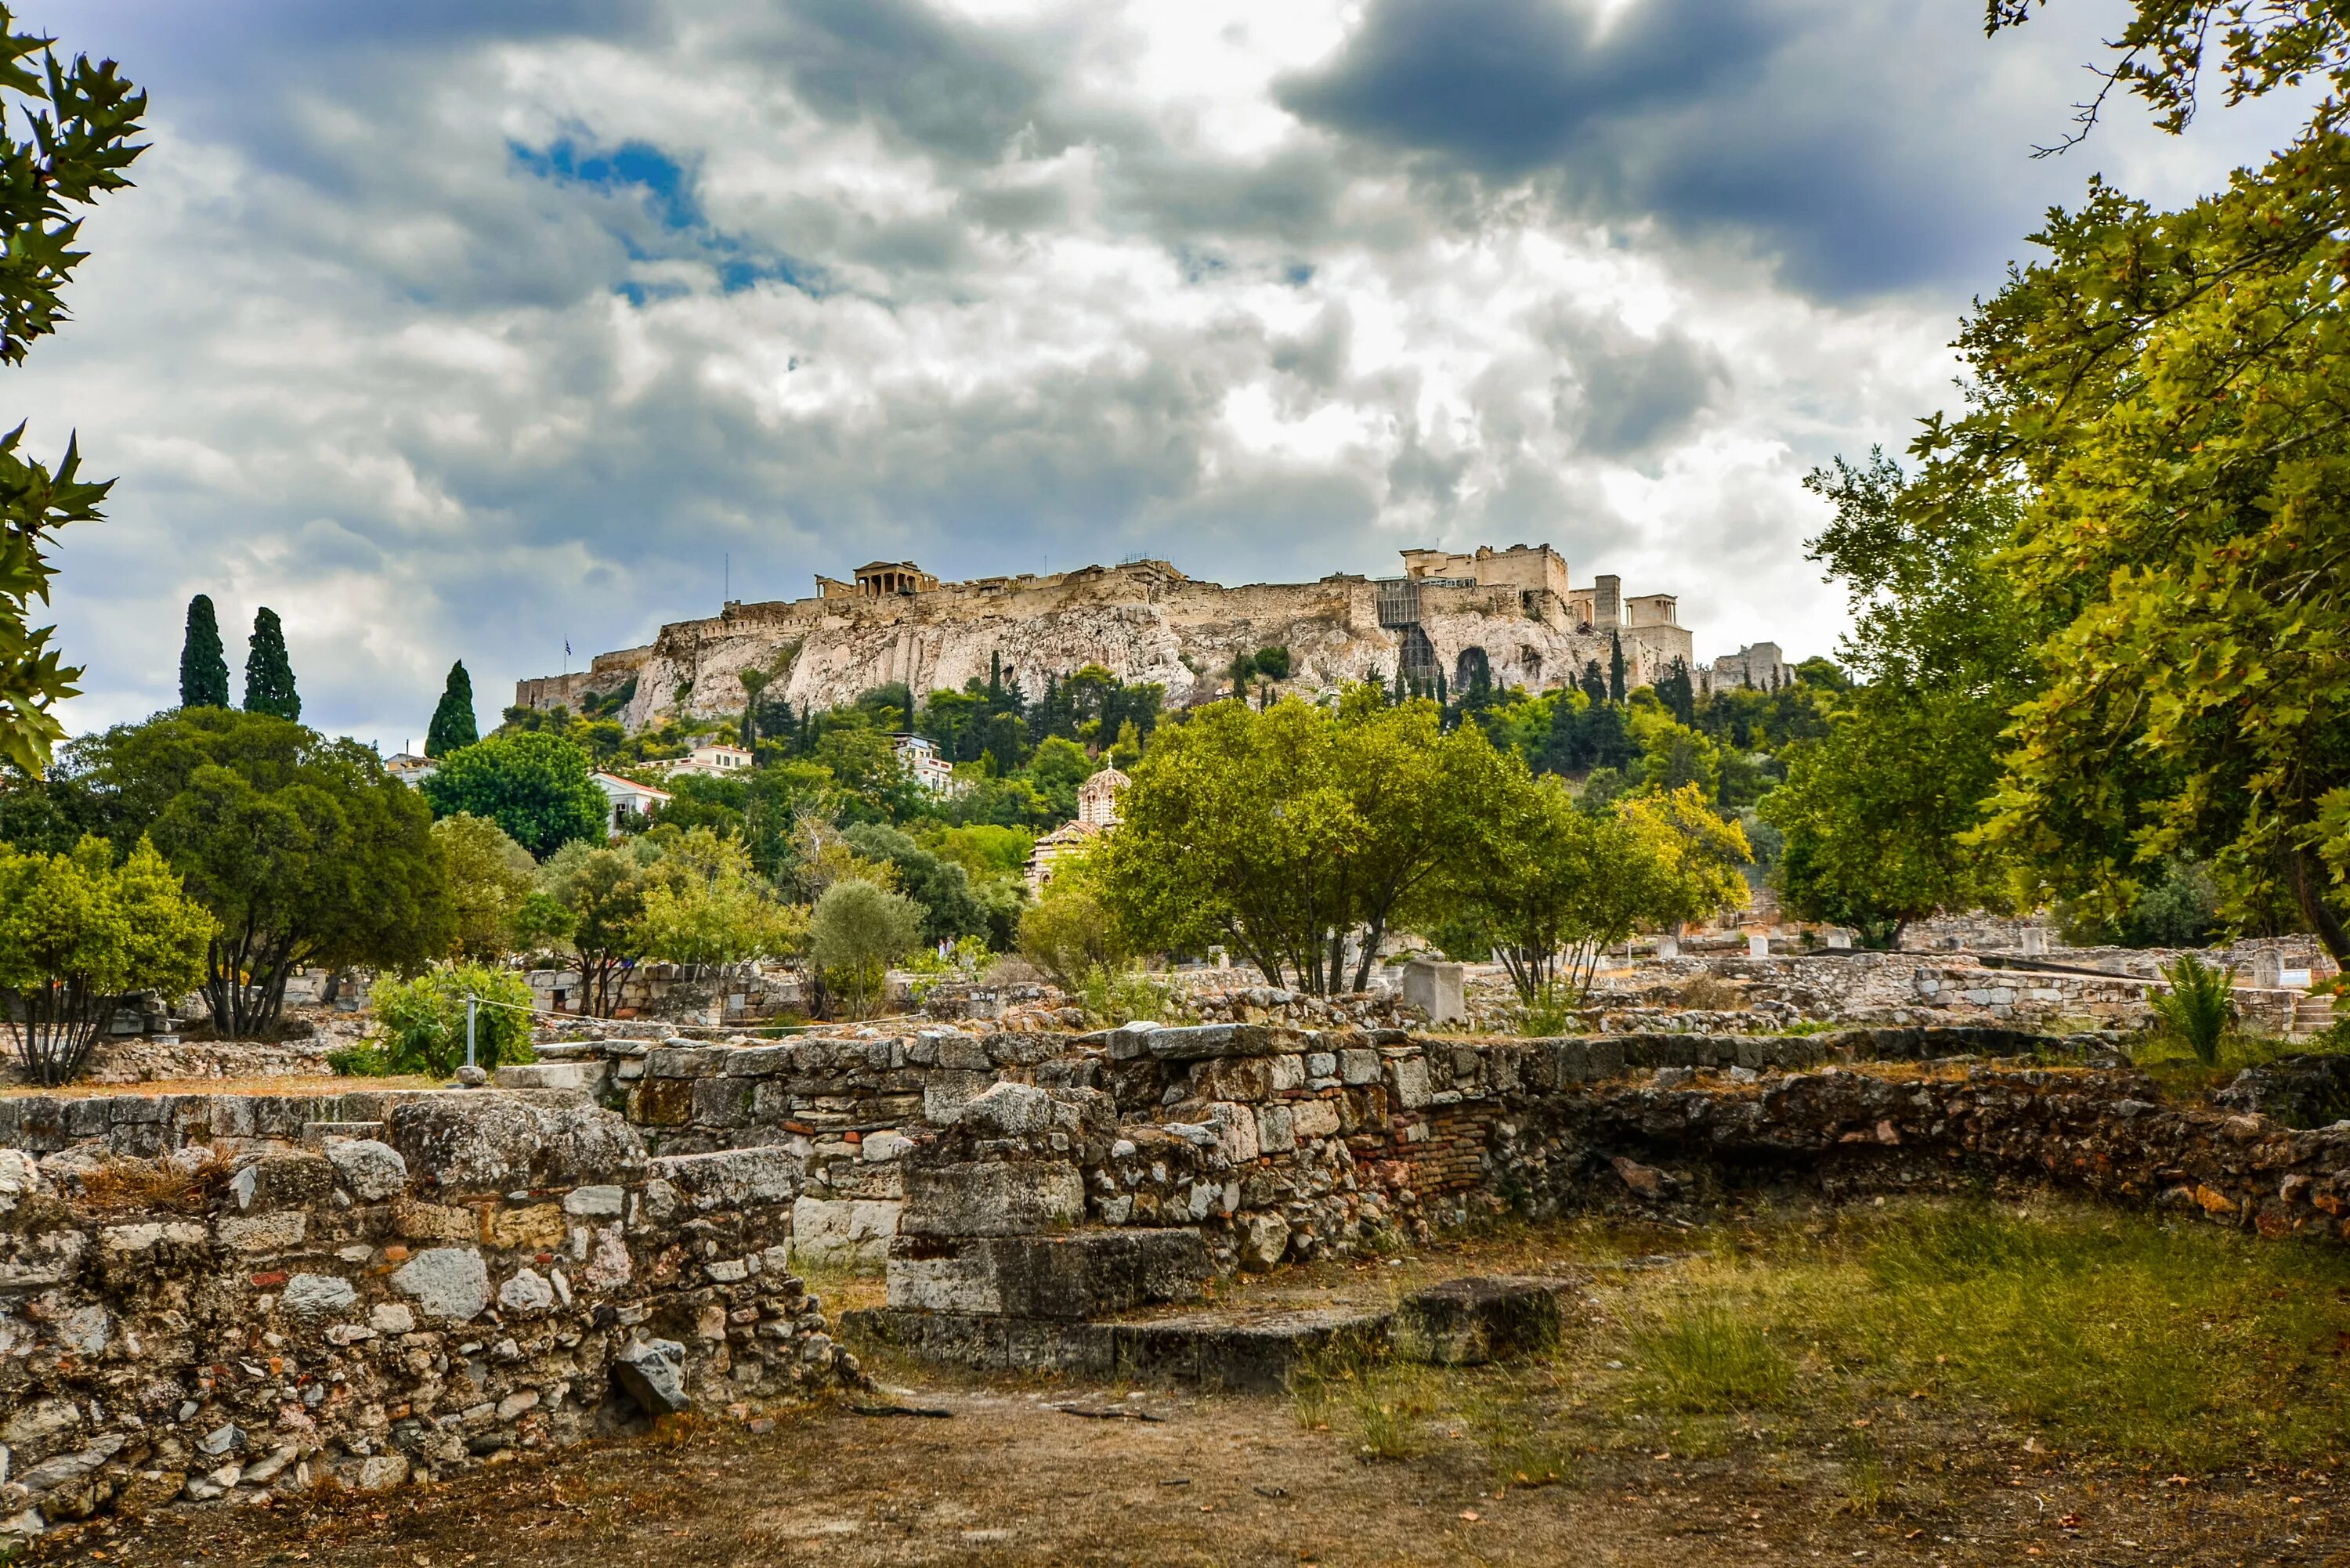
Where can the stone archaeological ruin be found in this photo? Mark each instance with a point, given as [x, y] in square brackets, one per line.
[206, 1296]
[1511, 614]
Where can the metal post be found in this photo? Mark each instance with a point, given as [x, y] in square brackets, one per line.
[472, 1006]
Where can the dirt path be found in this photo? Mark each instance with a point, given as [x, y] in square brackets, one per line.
[1008, 1479]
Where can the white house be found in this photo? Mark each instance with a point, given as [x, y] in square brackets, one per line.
[628, 797]
[712, 762]
[410, 769]
[920, 757]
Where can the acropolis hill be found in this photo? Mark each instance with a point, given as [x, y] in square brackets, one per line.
[1513, 610]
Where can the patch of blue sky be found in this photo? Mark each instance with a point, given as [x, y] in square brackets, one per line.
[667, 187]
[667, 184]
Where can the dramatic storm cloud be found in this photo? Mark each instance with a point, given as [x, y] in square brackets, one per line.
[459, 330]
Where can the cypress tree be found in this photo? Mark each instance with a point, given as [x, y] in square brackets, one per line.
[268, 675]
[1615, 667]
[204, 666]
[454, 727]
[1595, 682]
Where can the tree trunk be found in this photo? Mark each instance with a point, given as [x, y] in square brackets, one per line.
[2309, 892]
[1372, 935]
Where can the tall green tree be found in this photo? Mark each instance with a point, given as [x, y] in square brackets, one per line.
[489, 876]
[942, 887]
[855, 932]
[81, 119]
[1279, 832]
[535, 785]
[2165, 388]
[704, 904]
[1882, 816]
[601, 893]
[454, 727]
[1698, 854]
[1551, 887]
[268, 673]
[203, 663]
[303, 848]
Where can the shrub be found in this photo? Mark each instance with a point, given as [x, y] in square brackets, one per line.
[1549, 1012]
[1712, 993]
[1116, 997]
[420, 1022]
[362, 1061]
[1070, 935]
[2200, 1005]
[855, 932]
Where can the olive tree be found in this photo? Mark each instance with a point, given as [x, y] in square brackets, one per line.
[856, 931]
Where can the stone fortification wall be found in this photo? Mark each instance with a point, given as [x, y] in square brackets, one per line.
[606, 673]
[484, 1276]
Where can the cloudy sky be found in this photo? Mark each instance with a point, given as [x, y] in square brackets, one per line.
[450, 329]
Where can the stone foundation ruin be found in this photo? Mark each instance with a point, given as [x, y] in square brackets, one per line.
[214, 1296]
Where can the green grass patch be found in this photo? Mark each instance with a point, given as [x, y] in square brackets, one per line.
[1875, 1342]
[2175, 1344]
[1711, 1354]
[2183, 1078]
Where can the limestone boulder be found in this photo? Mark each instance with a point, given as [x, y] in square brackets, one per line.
[652, 1373]
[372, 1171]
[450, 1282]
[317, 1295]
[457, 1144]
[280, 1180]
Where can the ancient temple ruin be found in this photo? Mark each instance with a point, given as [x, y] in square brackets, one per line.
[1514, 617]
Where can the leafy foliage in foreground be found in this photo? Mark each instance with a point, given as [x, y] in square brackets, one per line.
[82, 120]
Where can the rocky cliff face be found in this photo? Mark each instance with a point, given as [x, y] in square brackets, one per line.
[1143, 621]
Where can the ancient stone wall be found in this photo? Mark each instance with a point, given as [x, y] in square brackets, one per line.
[210, 1294]
[485, 1276]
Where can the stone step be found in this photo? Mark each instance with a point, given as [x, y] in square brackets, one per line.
[579, 1074]
[554, 1099]
[570, 1051]
[1457, 1322]
[1068, 1277]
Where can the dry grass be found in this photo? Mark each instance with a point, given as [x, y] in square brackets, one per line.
[2145, 1342]
[1712, 993]
[182, 1186]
